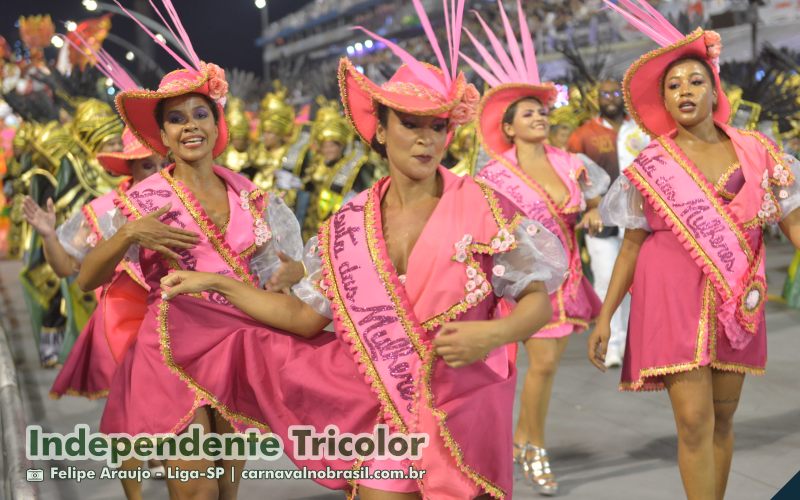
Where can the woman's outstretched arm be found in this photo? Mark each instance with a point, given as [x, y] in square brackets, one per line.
[621, 280]
[277, 310]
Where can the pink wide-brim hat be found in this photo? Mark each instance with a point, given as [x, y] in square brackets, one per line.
[641, 85]
[494, 104]
[120, 163]
[137, 108]
[404, 92]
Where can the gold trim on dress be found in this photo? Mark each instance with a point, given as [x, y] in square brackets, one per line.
[350, 333]
[166, 352]
[455, 450]
[694, 172]
[219, 246]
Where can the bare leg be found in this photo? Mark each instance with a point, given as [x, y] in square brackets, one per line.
[544, 356]
[195, 489]
[131, 487]
[727, 387]
[693, 409]
[228, 485]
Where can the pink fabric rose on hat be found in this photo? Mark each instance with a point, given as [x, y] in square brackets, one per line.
[217, 85]
[713, 46]
[464, 112]
[471, 95]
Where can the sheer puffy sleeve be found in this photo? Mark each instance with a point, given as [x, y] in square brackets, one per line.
[623, 206]
[787, 185]
[308, 289]
[539, 256]
[76, 236]
[111, 222]
[285, 238]
[596, 181]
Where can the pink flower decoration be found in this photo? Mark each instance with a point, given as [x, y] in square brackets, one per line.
[92, 240]
[713, 46]
[485, 287]
[499, 270]
[471, 273]
[461, 256]
[217, 89]
[472, 298]
[471, 95]
[461, 114]
[471, 286]
[217, 85]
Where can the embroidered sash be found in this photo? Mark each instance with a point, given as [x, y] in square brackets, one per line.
[703, 223]
[507, 178]
[374, 316]
[101, 206]
[214, 252]
[381, 329]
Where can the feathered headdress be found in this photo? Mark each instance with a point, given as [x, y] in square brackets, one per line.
[416, 88]
[137, 107]
[512, 74]
[642, 81]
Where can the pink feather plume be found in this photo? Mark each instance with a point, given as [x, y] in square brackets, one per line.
[517, 64]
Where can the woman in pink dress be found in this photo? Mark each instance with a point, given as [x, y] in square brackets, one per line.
[192, 215]
[410, 271]
[553, 187]
[111, 329]
[693, 205]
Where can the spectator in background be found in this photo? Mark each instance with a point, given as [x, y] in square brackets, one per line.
[612, 140]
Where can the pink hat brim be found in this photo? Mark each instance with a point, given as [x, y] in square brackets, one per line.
[494, 105]
[643, 97]
[138, 107]
[120, 163]
[359, 94]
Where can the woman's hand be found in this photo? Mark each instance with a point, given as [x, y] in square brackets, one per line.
[288, 274]
[462, 343]
[591, 221]
[149, 232]
[598, 344]
[187, 282]
[44, 222]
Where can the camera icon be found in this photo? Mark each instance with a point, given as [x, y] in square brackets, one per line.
[34, 475]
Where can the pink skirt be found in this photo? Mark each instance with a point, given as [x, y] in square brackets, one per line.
[260, 377]
[572, 312]
[673, 324]
[105, 339]
[90, 366]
